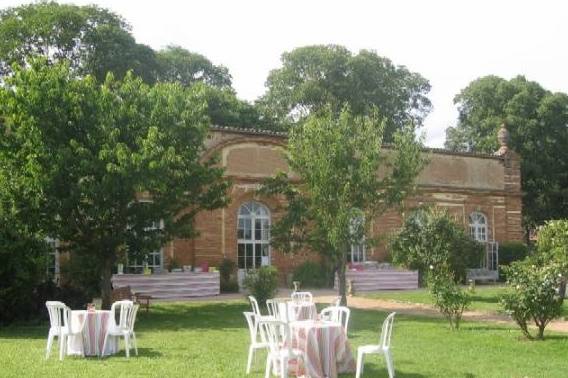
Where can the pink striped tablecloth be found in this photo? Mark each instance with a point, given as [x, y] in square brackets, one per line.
[326, 348]
[93, 336]
[299, 310]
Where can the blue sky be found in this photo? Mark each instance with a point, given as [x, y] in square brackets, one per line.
[449, 42]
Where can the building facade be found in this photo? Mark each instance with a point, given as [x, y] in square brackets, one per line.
[481, 191]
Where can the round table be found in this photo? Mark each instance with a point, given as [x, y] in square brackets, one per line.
[327, 350]
[298, 310]
[93, 336]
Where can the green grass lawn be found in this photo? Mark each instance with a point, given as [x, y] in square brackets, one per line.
[484, 298]
[210, 340]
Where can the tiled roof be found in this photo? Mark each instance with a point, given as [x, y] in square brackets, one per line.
[283, 134]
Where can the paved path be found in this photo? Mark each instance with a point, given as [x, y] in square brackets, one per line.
[427, 310]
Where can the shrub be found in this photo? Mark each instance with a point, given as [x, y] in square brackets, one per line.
[311, 274]
[262, 283]
[449, 298]
[431, 237]
[230, 286]
[82, 271]
[229, 283]
[552, 245]
[533, 294]
[23, 268]
[509, 252]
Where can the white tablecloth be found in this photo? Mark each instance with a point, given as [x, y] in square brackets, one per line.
[298, 310]
[93, 335]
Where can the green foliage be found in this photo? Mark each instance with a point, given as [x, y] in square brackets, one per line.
[262, 283]
[533, 294]
[227, 270]
[509, 252]
[84, 271]
[536, 119]
[312, 275]
[178, 65]
[431, 237]
[23, 268]
[321, 77]
[92, 150]
[450, 299]
[552, 243]
[92, 40]
[337, 158]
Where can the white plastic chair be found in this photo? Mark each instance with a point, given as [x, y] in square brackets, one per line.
[302, 296]
[252, 321]
[280, 351]
[60, 326]
[382, 348]
[339, 314]
[273, 306]
[125, 326]
[336, 301]
[256, 309]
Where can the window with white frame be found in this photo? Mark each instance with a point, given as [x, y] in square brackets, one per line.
[358, 252]
[253, 236]
[52, 268]
[152, 260]
[478, 226]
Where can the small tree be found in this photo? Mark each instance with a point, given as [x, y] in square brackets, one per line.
[338, 160]
[552, 246]
[533, 294]
[109, 160]
[450, 299]
[431, 237]
[262, 283]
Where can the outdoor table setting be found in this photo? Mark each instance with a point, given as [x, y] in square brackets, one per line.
[296, 310]
[92, 338]
[326, 348]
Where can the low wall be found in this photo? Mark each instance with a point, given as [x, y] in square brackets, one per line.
[381, 279]
[171, 285]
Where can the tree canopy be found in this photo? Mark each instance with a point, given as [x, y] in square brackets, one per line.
[106, 162]
[537, 120]
[338, 158]
[93, 40]
[315, 77]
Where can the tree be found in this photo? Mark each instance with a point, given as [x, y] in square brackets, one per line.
[187, 68]
[537, 120]
[110, 160]
[552, 246]
[316, 77]
[337, 158]
[93, 40]
[431, 241]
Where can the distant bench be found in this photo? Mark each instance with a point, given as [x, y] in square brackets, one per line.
[482, 275]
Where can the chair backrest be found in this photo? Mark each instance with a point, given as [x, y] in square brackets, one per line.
[302, 296]
[252, 321]
[339, 314]
[273, 307]
[386, 332]
[336, 301]
[59, 314]
[125, 308]
[132, 316]
[277, 335]
[254, 305]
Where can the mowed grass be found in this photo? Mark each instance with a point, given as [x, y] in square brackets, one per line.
[484, 298]
[209, 339]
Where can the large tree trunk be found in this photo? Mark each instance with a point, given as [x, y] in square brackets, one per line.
[341, 278]
[106, 284]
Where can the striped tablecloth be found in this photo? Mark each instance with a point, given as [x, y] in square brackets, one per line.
[93, 336]
[326, 348]
[299, 310]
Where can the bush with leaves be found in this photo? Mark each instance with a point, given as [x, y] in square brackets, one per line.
[431, 237]
[511, 251]
[533, 294]
[262, 283]
[312, 274]
[227, 270]
[552, 246]
[449, 298]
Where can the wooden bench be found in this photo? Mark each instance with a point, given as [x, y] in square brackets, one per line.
[125, 293]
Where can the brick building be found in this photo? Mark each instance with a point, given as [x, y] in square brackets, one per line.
[482, 191]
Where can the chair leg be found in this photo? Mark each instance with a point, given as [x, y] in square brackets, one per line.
[135, 343]
[49, 344]
[359, 364]
[390, 365]
[283, 367]
[102, 352]
[127, 345]
[249, 361]
[268, 367]
[62, 347]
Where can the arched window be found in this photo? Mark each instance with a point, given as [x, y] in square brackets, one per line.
[253, 236]
[478, 226]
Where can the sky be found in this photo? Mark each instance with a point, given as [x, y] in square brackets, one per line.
[450, 43]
